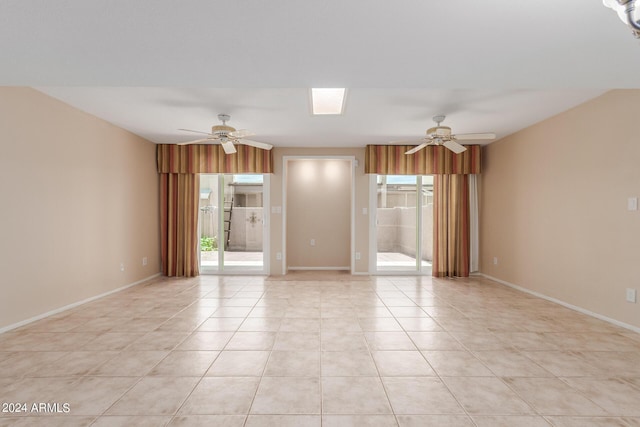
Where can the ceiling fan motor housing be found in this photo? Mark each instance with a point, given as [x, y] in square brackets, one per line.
[221, 130]
[440, 132]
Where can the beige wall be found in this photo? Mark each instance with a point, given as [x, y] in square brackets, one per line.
[361, 189]
[79, 196]
[553, 206]
[319, 208]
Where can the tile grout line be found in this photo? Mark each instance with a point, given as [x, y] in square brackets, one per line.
[264, 368]
[175, 414]
[432, 368]
[384, 388]
[499, 378]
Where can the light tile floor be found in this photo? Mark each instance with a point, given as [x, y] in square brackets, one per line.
[320, 349]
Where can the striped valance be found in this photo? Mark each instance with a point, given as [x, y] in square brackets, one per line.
[210, 158]
[432, 160]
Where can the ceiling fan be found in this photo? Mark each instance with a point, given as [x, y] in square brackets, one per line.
[226, 136]
[441, 135]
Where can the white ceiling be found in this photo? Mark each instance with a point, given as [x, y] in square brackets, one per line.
[152, 66]
[283, 118]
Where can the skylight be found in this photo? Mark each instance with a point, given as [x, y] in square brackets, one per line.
[327, 100]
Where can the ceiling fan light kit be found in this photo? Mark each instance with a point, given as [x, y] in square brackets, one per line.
[625, 10]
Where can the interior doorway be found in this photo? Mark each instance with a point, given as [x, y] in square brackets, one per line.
[318, 213]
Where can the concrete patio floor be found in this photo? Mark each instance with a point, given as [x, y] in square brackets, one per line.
[385, 260]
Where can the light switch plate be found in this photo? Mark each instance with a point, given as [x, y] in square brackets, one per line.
[632, 204]
[631, 295]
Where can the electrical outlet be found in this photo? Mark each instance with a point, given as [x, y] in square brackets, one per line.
[122, 266]
[357, 255]
[144, 261]
[495, 260]
[631, 295]
[313, 242]
[279, 256]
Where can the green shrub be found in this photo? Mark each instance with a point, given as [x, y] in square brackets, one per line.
[209, 243]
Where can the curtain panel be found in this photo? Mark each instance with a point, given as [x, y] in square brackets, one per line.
[451, 209]
[451, 223]
[210, 158]
[179, 167]
[431, 160]
[179, 199]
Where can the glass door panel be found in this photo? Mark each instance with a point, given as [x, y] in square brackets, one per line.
[426, 223]
[404, 227]
[243, 222]
[231, 222]
[208, 222]
[396, 223]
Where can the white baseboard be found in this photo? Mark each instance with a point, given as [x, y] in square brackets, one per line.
[319, 268]
[562, 303]
[75, 304]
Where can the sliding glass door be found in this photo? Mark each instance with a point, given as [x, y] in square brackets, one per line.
[403, 223]
[231, 222]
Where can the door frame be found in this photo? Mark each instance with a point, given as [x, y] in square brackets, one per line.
[373, 232]
[352, 237]
[266, 234]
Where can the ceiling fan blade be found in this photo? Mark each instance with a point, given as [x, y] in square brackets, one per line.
[196, 131]
[469, 136]
[256, 144]
[417, 148]
[195, 141]
[228, 147]
[241, 133]
[454, 146]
